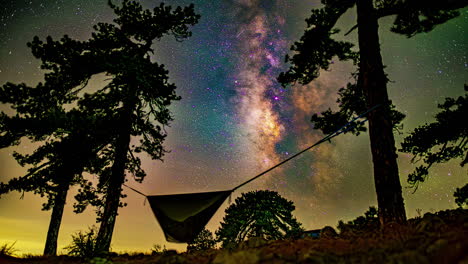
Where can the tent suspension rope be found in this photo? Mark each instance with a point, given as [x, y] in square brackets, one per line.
[134, 190]
[339, 131]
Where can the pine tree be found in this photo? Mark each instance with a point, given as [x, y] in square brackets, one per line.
[67, 148]
[97, 132]
[441, 141]
[139, 93]
[315, 51]
[258, 214]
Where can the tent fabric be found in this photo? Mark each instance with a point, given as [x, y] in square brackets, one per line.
[183, 216]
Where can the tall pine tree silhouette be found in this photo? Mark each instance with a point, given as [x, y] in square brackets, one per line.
[317, 48]
[134, 103]
[139, 92]
[67, 146]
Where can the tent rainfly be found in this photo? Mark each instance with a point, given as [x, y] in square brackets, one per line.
[183, 216]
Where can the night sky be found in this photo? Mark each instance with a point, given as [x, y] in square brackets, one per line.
[235, 120]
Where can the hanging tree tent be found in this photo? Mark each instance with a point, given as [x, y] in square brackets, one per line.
[183, 216]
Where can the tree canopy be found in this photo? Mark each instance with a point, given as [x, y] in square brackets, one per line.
[443, 140]
[258, 214]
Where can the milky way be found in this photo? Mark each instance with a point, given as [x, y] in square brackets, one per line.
[268, 112]
[235, 120]
[261, 46]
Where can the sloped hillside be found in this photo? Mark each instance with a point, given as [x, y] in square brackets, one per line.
[434, 238]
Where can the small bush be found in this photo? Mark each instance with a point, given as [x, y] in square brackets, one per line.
[83, 244]
[203, 241]
[461, 196]
[368, 222]
[158, 249]
[99, 260]
[8, 249]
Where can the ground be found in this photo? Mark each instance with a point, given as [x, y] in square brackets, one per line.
[433, 238]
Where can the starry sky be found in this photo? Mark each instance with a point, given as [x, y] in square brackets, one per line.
[235, 120]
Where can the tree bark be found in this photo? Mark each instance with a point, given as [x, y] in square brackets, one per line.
[114, 186]
[56, 219]
[373, 81]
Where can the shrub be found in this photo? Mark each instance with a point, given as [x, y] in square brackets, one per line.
[158, 249]
[203, 241]
[461, 196]
[84, 244]
[8, 249]
[369, 221]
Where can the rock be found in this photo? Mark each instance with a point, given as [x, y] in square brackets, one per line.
[413, 243]
[316, 257]
[451, 253]
[244, 257]
[172, 259]
[436, 246]
[464, 260]
[430, 223]
[410, 256]
[170, 252]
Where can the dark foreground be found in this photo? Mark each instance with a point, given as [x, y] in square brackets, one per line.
[434, 238]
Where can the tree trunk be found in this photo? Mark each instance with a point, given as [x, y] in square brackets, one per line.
[373, 81]
[114, 186]
[56, 219]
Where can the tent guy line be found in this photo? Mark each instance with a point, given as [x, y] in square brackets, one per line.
[328, 137]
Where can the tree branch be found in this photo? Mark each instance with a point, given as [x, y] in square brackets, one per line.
[396, 7]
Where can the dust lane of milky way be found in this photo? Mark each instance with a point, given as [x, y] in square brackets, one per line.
[235, 120]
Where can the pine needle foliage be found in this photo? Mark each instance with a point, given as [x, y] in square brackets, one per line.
[443, 140]
[262, 214]
[83, 244]
[203, 241]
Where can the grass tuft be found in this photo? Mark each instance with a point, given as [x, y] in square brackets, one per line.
[8, 249]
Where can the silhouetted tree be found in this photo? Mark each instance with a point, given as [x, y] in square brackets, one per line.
[55, 166]
[203, 241]
[370, 221]
[317, 48]
[438, 142]
[461, 196]
[134, 103]
[138, 92]
[258, 214]
[67, 148]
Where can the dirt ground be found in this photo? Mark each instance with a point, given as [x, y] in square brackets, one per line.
[434, 238]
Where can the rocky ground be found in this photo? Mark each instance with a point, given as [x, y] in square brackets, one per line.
[433, 238]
